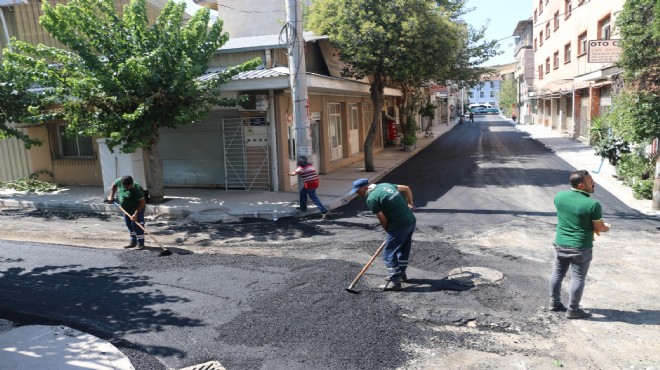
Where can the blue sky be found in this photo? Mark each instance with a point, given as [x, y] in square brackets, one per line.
[504, 16]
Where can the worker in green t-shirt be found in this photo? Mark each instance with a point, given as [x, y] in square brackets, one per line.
[393, 205]
[132, 200]
[579, 218]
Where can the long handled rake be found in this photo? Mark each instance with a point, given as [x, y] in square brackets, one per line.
[364, 269]
[165, 252]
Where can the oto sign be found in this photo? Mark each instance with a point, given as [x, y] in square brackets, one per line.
[604, 51]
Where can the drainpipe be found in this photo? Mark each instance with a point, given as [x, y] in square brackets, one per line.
[272, 141]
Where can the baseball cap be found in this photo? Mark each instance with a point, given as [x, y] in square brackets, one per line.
[357, 184]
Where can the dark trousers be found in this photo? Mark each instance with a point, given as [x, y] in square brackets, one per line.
[137, 234]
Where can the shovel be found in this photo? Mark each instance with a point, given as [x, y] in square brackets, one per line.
[364, 269]
[165, 252]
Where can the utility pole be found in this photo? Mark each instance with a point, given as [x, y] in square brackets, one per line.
[298, 78]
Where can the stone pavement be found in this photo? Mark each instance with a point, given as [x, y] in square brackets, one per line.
[62, 348]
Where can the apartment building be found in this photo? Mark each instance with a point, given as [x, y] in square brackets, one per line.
[571, 84]
[524, 68]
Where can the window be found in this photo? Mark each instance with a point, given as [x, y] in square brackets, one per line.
[556, 20]
[582, 43]
[471, 95]
[568, 8]
[541, 38]
[547, 65]
[567, 53]
[334, 118]
[540, 6]
[481, 94]
[555, 60]
[540, 71]
[535, 44]
[547, 30]
[73, 146]
[492, 84]
[536, 16]
[604, 28]
[492, 94]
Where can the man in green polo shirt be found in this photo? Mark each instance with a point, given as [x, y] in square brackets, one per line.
[393, 205]
[578, 218]
[131, 199]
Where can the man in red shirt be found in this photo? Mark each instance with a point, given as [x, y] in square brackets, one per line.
[310, 179]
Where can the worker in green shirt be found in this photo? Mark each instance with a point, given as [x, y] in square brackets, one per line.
[579, 218]
[132, 200]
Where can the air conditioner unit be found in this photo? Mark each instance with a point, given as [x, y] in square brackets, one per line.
[255, 103]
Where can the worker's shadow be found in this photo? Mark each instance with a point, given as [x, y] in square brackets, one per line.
[639, 317]
[435, 285]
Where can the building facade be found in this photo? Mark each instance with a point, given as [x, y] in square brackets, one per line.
[573, 73]
[524, 68]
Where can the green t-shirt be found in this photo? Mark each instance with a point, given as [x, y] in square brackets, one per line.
[128, 199]
[575, 213]
[384, 197]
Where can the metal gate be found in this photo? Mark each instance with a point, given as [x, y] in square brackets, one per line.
[246, 160]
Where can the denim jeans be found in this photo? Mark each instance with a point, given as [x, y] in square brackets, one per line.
[137, 234]
[397, 252]
[578, 259]
[304, 192]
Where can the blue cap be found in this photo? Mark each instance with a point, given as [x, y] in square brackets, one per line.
[357, 184]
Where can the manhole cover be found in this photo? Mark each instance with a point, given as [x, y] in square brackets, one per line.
[475, 275]
[211, 365]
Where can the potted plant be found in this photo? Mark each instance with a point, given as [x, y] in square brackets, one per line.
[409, 142]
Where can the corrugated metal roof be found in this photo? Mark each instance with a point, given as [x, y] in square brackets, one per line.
[248, 75]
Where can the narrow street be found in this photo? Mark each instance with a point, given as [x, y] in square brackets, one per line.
[262, 294]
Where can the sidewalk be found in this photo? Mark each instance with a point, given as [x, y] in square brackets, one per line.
[213, 205]
[582, 157]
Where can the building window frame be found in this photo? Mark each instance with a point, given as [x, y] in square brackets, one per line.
[73, 146]
[556, 20]
[605, 28]
[582, 44]
[568, 8]
[547, 30]
[540, 71]
[555, 60]
[547, 65]
[541, 38]
[567, 53]
[540, 7]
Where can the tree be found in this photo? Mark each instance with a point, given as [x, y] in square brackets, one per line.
[508, 94]
[15, 99]
[636, 112]
[407, 41]
[125, 77]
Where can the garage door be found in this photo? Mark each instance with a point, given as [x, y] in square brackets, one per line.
[193, 154]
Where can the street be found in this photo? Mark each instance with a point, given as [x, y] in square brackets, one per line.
[270, 295]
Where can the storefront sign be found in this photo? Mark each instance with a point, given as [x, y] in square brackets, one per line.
[604, 51]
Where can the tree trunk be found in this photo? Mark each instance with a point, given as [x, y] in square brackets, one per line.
[156, 189]
[377, 88]
[403, 107]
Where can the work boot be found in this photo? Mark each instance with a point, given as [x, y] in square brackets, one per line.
[402, 278]
[559, 307]
[577, 314]
[390, 286]
[132, 245]
[140, 247]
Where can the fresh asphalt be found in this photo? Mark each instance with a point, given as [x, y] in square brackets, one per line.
[264, 312]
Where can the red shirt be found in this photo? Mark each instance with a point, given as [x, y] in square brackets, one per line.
[308, 175]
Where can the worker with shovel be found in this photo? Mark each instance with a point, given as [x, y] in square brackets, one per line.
[393, 205]
[133, 202]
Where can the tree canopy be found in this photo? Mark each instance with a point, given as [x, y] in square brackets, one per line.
[405, 41]
[635, 112]
[124, 76]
